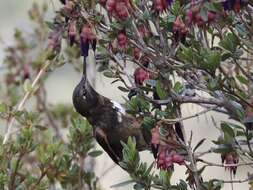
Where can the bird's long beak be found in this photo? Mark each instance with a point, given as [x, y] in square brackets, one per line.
[84, 67]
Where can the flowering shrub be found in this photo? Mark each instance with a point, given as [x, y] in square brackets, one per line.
[183, 52]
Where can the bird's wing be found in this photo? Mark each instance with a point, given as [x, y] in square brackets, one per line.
[118, 107]
[102, 139]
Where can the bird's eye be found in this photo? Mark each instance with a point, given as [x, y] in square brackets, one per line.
[84, 94]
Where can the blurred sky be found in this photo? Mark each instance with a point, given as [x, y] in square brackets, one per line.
[13, 13]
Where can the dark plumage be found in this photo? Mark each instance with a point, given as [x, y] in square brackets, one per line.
[63, 1]
[110, 125]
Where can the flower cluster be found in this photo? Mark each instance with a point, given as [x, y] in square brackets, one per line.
[69, 5]
[232, 5]
[167, 157]
[140, 75]
[179, 29]
[72, 32]
[122, 40]
[167, 150]
[143, 31]
[193, 16]
[230, 160]
[120, 9]
[86, 37]
[161, 5]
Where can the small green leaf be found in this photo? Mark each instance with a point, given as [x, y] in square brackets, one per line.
[229, 43]
[242, 79]
[178, 87]
[3, 108]
[124, 183]
[109, 74]
[227, 130]
[95, 153]
[138, 186]
[123, 89]
[50, 25]
[27, 86]
[161, 93]
[199, 144]
[223, 149]
[41, 127]
[213, 59]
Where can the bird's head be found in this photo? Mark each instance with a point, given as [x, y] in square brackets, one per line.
[84, 98]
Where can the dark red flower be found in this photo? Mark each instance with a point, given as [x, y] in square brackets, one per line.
[69, 5]
[176, 158]
[155, 140]
[144, 33]
[86, 33]
[87, 37]
[26, 71]
[137, 53]
[140, 75]
[230, 160]
[121, 10]
[72, 32]
[160, 5]
[189, 16]
[167, 158]
[211, 16]
[110, 5]
[237, 5]
[122, 40]
[103, 2]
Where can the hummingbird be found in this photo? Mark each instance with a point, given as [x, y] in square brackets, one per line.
[111, 124]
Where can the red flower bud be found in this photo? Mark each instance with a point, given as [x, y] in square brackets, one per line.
[198, 19]
[189, 16]
[110, 5]
[211, 16]
[155, 140]
[179, 29]
[177, 24]
[72, 32]
[231, 161]
[122, 40]
[86, 33]
[168, 162]
[69, 5]
[237, 6]
[103, 2]
[143, 31]
[140, 75]
[26, 70]
[160, 5]
[137, 53]
[176, 158]
[121, 10]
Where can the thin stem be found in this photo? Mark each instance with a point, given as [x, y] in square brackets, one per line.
[43, 174]
[247, 74]
[224, 165]
[192, 161]
[232, 185]
[23, 101]
[172, 121]
[236, 181]
[14, 174]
